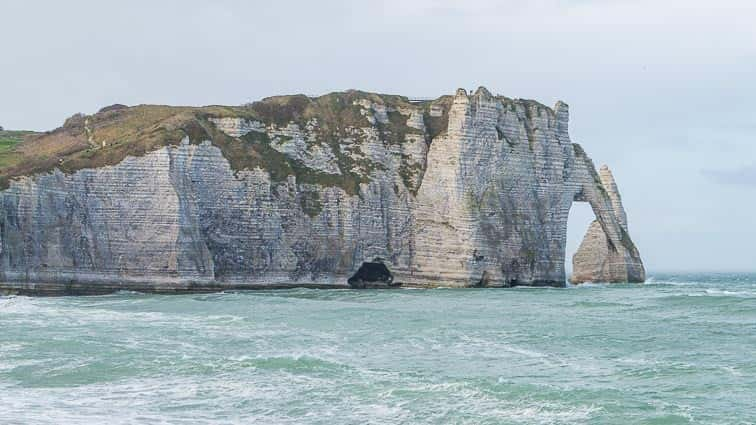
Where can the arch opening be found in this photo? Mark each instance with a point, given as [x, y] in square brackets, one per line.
[579, 219]
[372, 274]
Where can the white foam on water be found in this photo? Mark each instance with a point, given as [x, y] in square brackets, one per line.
[16, 304]
[725, 293]
[481, 356]
[546, 414]
[662, 282]
[588, 285]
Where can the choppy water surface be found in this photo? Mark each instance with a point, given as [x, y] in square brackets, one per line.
[680, 349]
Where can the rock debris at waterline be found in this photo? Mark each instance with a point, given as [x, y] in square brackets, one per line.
[463, 190]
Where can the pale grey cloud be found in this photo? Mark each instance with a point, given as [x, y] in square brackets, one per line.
[740, 176]
[659, 90]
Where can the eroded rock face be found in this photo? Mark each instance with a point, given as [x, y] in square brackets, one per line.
[468, 190]
[601, 259]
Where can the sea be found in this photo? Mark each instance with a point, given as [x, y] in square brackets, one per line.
[680, 349]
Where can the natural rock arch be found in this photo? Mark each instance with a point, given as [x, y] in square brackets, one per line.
[606, 254]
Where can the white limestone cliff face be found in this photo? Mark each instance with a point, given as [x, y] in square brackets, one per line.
[483, 203]
[302, 145]
[237, 127]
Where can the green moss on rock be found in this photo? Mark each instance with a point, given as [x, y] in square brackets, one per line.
[115, 132]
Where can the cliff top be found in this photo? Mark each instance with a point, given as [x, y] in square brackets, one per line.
[117, 131]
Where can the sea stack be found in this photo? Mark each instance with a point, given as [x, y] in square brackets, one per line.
[466, 190]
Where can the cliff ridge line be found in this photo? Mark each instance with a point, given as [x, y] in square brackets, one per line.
[463, 190]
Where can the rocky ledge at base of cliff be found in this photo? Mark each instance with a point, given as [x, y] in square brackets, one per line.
[349, 189]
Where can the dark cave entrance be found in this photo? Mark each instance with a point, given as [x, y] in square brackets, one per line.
[372, 275]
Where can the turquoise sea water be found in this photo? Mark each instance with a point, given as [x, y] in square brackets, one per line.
[680, 349]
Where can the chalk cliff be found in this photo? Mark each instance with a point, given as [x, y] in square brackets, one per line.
[347, 189]
[598, 258]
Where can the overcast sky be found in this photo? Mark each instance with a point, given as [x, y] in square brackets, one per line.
[662, 91]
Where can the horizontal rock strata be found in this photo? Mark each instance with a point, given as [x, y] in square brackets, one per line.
[601, 259]
[465, 190]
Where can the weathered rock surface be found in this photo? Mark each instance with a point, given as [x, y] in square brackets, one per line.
[595, 260]
[465, 190]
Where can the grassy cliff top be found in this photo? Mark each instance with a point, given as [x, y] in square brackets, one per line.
[8, 142]
[117, 131]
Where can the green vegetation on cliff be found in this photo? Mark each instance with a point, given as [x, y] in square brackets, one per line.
[115, 132]
[8, 141]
